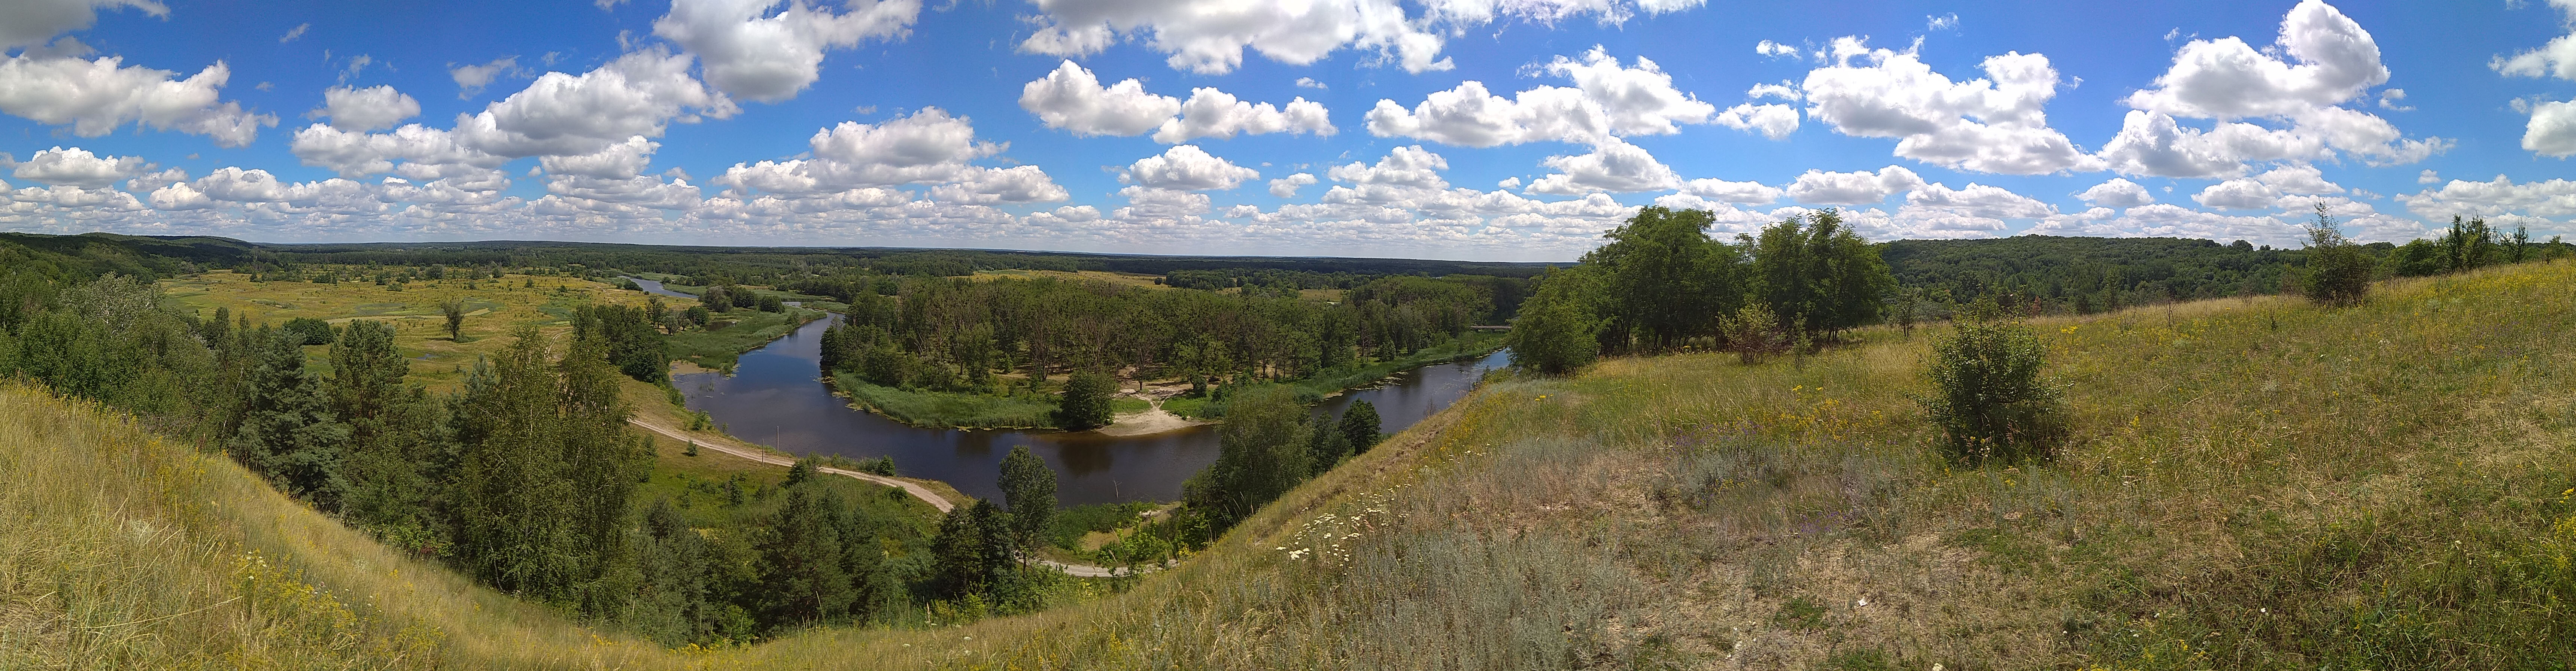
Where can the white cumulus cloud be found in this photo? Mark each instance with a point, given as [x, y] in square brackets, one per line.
[1187, 168]
[1072, 99]
[77, 167]
[2117, 192]
[1607, 101]
[26, 23]
[2230, 81]
[97, 96]
[1818, 187]
[1286, 187]
[368, 109]
[1997, 124]
[1613, 166]
[756, 50]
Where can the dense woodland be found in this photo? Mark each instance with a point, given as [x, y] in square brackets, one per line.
[957, 335]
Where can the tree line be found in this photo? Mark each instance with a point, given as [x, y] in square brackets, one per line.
[950, 334]
[1661, 284]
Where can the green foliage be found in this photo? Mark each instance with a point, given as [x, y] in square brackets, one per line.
[1262, 452]
[1360, 426]
[2338, 271]
[635, 346]
[2084, 275]
[454, 311]
[1989, 398]
[1661, 278]
[1754, 332]
[1326, 445]
[288, 432]
[1818, 274]
[307, 331]
[1085, 401]
[1028, 487]
[546, 468]
[948, 409]
[1555, 333]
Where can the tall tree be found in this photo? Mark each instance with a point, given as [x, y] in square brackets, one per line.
[1360, 426]
[1028, 486]
[1261, 453]
[1326, 445]
[288, 432]
[802, 570]
[1664, 278]
[1556, 331]
[392, 427]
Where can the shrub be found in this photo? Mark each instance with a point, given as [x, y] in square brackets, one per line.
[1753, 332]
[2338, 271]
[1988, 397]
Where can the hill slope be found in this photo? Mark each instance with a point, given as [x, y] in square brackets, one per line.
[2256, 483]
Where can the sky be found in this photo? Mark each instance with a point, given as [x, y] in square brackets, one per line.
[1514, 130]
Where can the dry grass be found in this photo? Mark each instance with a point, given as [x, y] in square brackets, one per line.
[2255, 484]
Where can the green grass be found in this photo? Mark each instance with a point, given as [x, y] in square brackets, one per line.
[717, 348]
[947, 409]
[1122, 405]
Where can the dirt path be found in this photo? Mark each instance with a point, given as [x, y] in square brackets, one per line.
[914, 488]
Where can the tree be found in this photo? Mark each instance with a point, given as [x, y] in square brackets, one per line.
[454, 310]
[1818, 273]
[1753, 332]
[2338, 271]
[392, 428]
[1359, 426]
[288, 432]
[1261, 453]
[802, 574]
[1988, 396]
[1326, 445]
[1555, 333]
[1028, 487]
[956, 554]
[1662, 278]
[1085, 401]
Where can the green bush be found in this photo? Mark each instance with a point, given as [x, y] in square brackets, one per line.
[1085, 404]
[2338, 271]
[1554, 333]
[308, 331]
[1988, 397]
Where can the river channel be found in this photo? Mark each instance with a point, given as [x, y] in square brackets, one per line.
[776, 398]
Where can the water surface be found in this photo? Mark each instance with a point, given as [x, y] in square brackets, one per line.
[776, 397]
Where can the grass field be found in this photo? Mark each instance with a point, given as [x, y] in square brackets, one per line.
[494, 307]
[2254, 483]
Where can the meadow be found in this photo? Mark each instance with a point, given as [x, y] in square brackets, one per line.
[493, 308]
[2253, 483]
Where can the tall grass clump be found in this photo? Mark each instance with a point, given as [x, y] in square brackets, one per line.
[1988, 397]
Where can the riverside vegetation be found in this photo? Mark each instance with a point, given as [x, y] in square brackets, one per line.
[2242, 483]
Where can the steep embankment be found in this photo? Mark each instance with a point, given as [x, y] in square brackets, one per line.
[2255, 484]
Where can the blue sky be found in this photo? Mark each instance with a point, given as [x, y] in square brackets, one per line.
[1470, 129]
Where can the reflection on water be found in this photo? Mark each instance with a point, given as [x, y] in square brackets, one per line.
[775, 397]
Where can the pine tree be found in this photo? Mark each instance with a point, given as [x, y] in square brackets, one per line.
[391, 427]
[288, 432]
[801, 563]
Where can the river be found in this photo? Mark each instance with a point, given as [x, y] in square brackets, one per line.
[776, 398]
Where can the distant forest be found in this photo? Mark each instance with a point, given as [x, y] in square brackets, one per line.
[2037, 273]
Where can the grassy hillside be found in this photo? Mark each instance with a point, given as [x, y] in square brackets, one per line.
[2255, 483]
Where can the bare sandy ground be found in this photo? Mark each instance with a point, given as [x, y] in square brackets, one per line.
[1153, 420]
